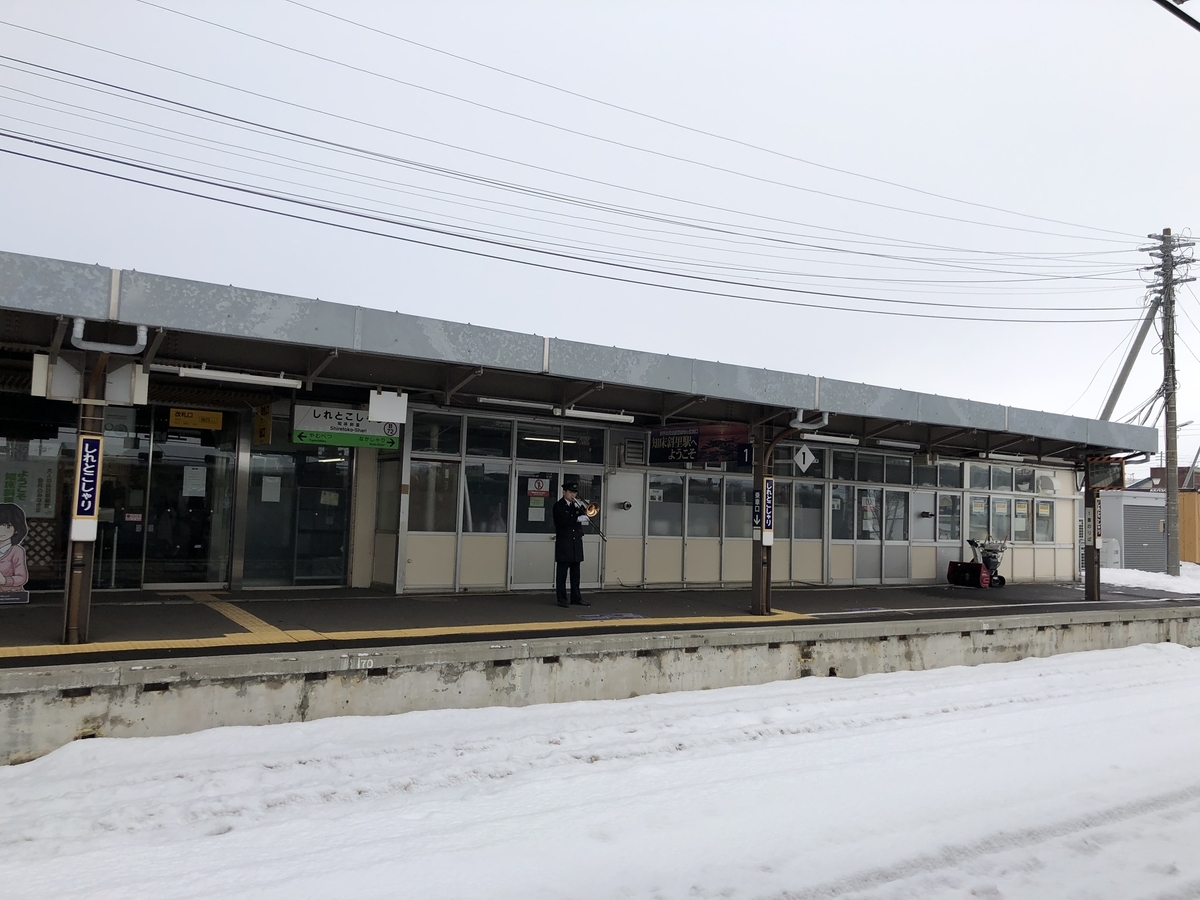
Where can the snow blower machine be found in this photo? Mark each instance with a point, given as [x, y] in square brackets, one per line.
[983, 571]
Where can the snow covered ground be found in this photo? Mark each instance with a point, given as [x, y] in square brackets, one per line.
[1077, 776]
[1186, 582]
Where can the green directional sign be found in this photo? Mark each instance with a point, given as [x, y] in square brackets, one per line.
[334, 439]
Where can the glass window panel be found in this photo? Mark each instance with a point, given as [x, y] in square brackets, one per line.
[980, 477]
[387, 497]
[704, 507]
[538, 441]
[783, 510]
[489, 437]
[583, 445]
[950, 475]
[1002, 479]
[841, 512]
[537, 492]
[433, 496]
[485, 502]
[666, 505]
[1022, 520]
[898, 470]
[925, 476]
[870, 467]
[949, 517]
[809, 512]
[1001, 519]
[977, 518]
[869, 502]
[843, 465]
[895, 516]
[1023, 480]
[739, 507]
[436, 433]
[782, 463]
[1043, 521]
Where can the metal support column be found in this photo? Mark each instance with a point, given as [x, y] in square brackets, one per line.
[760, 556]
[77, 599]
[1091, 539]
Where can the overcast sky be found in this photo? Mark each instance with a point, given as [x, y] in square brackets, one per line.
[1057, 133]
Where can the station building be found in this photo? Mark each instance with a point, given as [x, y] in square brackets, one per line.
[239, 452]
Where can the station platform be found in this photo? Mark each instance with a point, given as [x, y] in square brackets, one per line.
[179, 624]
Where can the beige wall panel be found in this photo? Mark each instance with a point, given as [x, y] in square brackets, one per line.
[808, 562]
[1064, 564]
[1066, 524]
[1043, 564]
[623, 561]
[384, 565]
[362, 526]
[484, 559]
[430, 560]
[737, 560]
[703, 561]
[664, 560]
[841, 561]
[625, 487]
[1022, 563]
[781, 561]
[924, 563]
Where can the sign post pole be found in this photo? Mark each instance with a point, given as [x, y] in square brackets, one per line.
[760, 557]
[85, 510]
[1091, 548]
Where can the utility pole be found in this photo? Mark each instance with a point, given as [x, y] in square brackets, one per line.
[1170, 262]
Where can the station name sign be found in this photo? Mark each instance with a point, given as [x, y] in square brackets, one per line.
[334, 426]
[699, 443]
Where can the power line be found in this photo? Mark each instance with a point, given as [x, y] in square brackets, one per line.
[701, 224]
[341, 174]
[612, 141]
[542, 265]
[398, 132]
[689, 128]
[602, 248]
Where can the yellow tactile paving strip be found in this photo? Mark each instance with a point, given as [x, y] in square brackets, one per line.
[260, 633]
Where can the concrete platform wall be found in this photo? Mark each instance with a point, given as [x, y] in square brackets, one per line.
[43, 708]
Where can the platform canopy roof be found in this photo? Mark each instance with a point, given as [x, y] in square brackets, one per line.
[345, 350]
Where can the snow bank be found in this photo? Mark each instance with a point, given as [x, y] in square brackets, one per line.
[1073, 776]
[1186, 582]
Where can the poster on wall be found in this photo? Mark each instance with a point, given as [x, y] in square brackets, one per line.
[31, 484]
[14, 573]
[699, 443]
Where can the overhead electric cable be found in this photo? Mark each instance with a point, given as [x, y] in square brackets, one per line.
[596, 137]
[191, 109]
[412, 136]
[548, 266]
[720, 137]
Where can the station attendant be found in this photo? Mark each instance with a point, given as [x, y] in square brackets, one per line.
[569, 518]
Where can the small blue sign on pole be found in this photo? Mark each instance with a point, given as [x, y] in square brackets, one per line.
[86, 509]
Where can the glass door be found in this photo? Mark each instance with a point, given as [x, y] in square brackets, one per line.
[895, 536]
[190, 505]
[591, 487]
[533, 538]
[868, 534]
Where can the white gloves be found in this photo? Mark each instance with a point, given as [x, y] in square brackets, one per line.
[582, 520]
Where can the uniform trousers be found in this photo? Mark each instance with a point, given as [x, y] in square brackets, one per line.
[561, 570]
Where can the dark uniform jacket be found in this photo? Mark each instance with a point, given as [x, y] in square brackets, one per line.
[568, 531]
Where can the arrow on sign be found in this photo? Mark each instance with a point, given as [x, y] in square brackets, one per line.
[804, 458]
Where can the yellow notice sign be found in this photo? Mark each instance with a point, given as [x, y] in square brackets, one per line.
[262, 425]
[196, 418]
